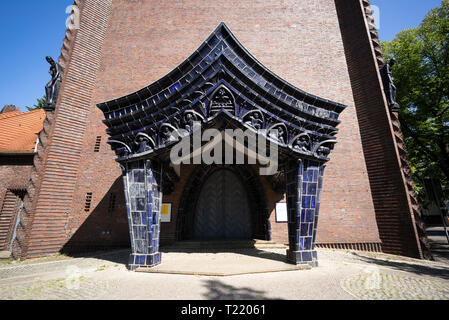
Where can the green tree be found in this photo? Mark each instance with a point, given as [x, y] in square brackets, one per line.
[422, 80]
[39, 105]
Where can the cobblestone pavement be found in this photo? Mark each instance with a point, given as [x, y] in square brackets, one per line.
[58, 289]
[341, 275]
[386, 286]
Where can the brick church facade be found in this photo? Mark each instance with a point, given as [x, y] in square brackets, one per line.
[329, 49]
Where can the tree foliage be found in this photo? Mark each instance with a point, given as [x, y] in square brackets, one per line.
[422, 79]
[39, 105]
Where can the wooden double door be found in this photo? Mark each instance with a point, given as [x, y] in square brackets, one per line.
[223, 209]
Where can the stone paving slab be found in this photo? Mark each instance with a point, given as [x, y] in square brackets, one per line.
[222, 264]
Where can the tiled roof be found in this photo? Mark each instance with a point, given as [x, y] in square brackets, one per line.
[9, 114]
[19, 131]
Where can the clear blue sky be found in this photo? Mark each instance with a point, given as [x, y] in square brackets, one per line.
[397, 15]
[30, 30]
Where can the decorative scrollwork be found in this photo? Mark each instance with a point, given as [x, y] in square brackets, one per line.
[322, 150]
[209, 84]
[222, 99]
[124, 151]
[176, 112]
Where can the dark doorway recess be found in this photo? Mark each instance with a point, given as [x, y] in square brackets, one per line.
[9, 217]
[223, 202]
[222, 210]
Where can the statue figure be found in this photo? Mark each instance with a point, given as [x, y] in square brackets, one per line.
[189, 119]
[255, 121]
[52, 88]
[168, 134]
[165, 135]
[278, 134]
[142, 144]
[390, 88]
[281, 136]
[302, 144]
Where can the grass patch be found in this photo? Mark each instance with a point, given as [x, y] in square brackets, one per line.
[6, 261]
[101, 268]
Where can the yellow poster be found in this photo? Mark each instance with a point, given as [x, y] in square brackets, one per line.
[166, 212]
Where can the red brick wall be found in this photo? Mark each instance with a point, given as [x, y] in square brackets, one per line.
[14, 173]
[394, 217]
[147, 41]
[298, 40]
[52, 205]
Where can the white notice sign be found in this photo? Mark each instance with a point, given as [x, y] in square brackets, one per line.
[281, 212]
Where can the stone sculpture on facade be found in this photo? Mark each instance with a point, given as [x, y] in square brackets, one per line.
[52, 88]
[143, 143]
[254, 119]
[390, 88]
[302, 143]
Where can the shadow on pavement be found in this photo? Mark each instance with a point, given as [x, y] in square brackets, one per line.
[220, 291]
[421, 270]
[252, 252]
[120, 256]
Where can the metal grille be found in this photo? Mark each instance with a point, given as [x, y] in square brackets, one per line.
[97, 144]
[88, 201]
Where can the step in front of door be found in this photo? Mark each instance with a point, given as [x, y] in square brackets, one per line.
[226, 244]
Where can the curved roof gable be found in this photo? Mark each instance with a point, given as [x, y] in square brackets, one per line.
[221, 77]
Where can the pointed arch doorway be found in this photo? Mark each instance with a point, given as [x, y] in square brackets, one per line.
[222, 210]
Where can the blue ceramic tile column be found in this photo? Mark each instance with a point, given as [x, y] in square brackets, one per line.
[304, 181]
[142, 181]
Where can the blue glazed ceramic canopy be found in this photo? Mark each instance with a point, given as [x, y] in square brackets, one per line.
[221, 86]
[221, 79]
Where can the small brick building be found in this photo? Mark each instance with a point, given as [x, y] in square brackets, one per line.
[329, 49]
[18, 142]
